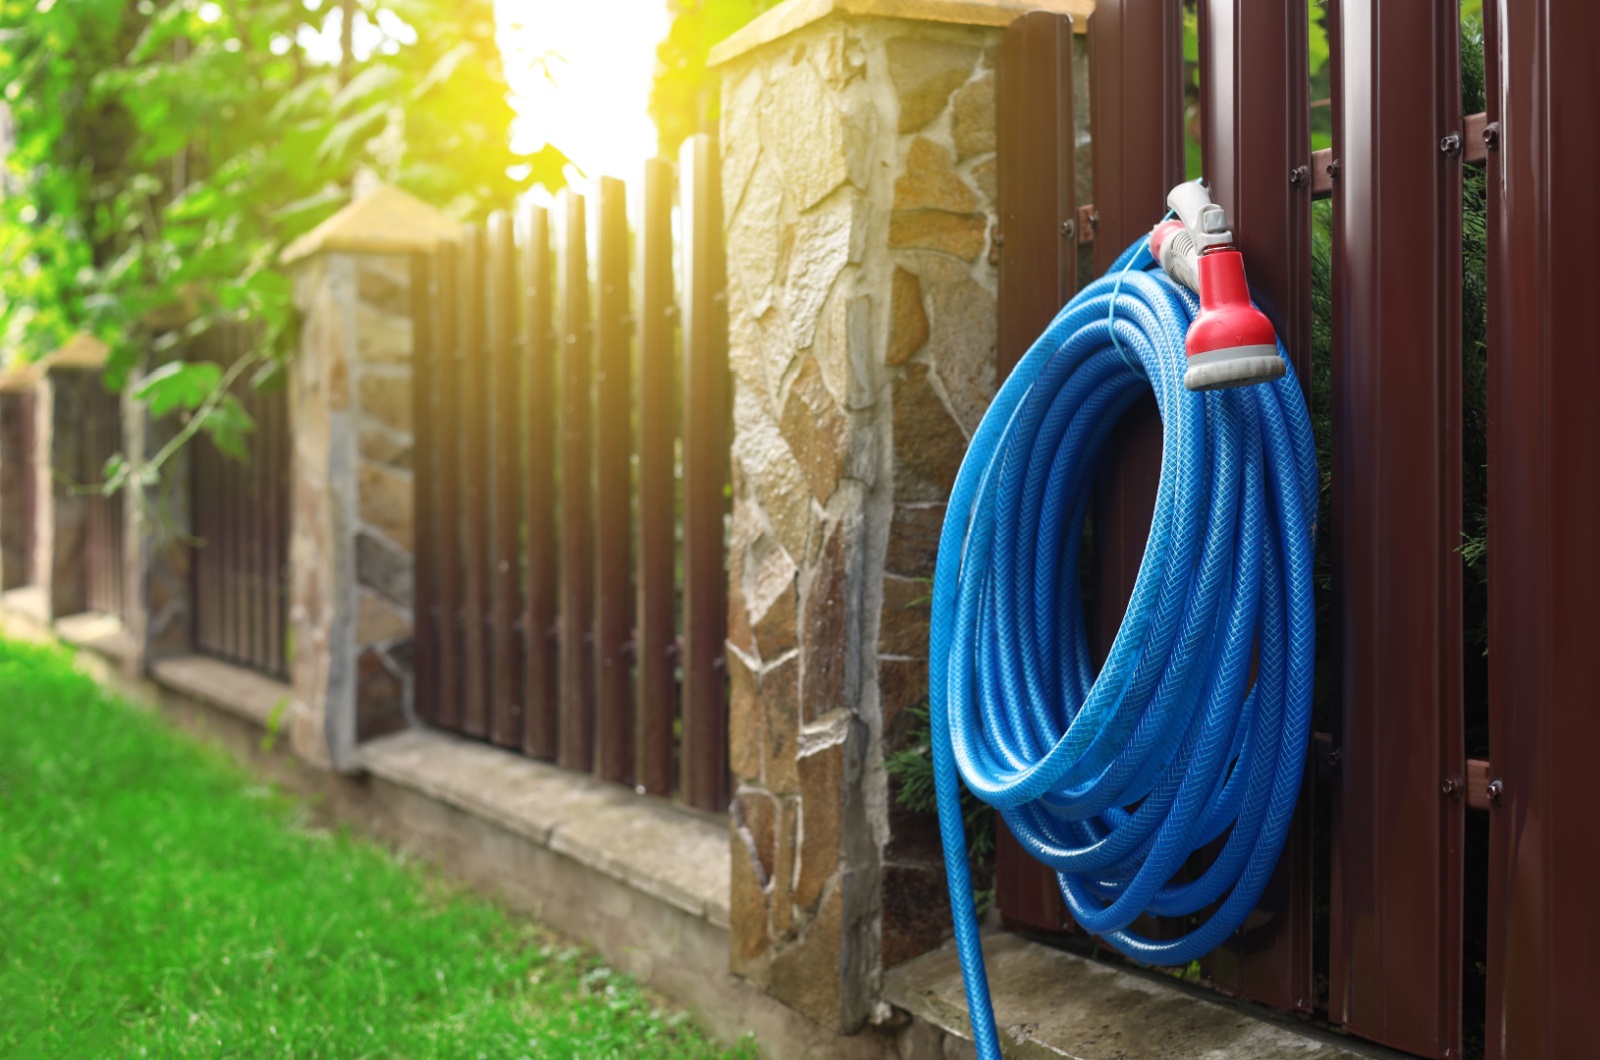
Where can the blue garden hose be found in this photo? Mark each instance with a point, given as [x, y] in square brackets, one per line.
[1114, 779]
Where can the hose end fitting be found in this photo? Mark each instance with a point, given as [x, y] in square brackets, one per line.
[1231, 343]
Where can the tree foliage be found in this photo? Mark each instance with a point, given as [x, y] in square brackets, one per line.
[683, 100]
[165, 153]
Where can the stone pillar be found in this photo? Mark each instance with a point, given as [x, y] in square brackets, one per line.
[60, 405]
[350, 414]
[859, 183]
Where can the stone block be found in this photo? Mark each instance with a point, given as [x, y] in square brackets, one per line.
[385, 447]
[769, 467]
[822, 780]
[384, 501]
[959, 235]
[380, 696]
[785, 850]
[754, 230]
[383, 281]
[972, 117]
[741, 135]
[826, 622]
[821, 245]
[983, 175]
[924, 73]
[387, 399]
[903, 623]
[962, 346]
[746, 712]
[914, 540]
[930, 181]
[845, 352]
[807, 974]
[800, 124]
[780, 710]
[382, 566]
[770, 597]
[382, 337]
[928, 445]
[748, 915]
[817, 430]
[908, 319]
[377, 621]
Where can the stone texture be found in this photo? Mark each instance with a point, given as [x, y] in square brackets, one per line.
[383, 567]
[839, 57]
[822, 776]
[380, 697]
[377, 621]
[770, 597]
[780, 703]
[801, 124]
[387, 399]
[825, 640]
[817, 430]
[972, 117]
[914, 540]
[741, 135]
[769, 467]
[385, 502]
[385, 447]
[962, 344]
[754, 251]
[745, 719]
[748, 912]
[821, 248]
[908, 320]
[959, 235]
[930, 181]
[928, 445]
[903, 623]
[806, 975]
[983, 176]
[382, 337]
[845, 353]
[924, 73]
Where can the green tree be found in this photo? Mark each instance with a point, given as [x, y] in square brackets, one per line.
[683, 100]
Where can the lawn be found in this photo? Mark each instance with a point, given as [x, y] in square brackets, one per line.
[154, 901]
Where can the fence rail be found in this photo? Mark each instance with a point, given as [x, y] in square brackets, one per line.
[1382, 952]
[550, 528]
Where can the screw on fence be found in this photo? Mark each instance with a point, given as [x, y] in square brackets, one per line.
[1491, 136]
[1497, 791]
[1300, 176]
[1450, 146]
[1452, 787]
[1069, 228]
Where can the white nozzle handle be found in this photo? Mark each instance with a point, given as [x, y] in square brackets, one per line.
[1205, 220]
[1180, 258]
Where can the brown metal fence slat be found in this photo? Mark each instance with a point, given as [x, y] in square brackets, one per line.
[1395, 946]
[424, 593]
[613, 494]
[474, 429]
[1544, 571]
[539, 733]
[704, 760]
[447, 461]
[577, 492]
[656, 635]
[509, 687]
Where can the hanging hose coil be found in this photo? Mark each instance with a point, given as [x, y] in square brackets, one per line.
[1114, 779]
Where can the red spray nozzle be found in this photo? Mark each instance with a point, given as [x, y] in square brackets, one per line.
[1231, 343]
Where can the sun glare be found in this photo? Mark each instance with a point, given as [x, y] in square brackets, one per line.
[580, 74]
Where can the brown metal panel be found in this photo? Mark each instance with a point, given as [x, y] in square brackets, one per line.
[613, 535]
[509, 688]
[424, 593]
[1038, 274]
[656, 637]
[277, 468]
[1395, 944]
[539, 729]
[1255, 122]
[1136, 118]
[1036, 177]
[577, 494]
[705, 476]
[1544, 574]
[474, 431]
[447, 458]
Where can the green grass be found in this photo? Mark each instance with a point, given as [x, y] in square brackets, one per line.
[155, 902]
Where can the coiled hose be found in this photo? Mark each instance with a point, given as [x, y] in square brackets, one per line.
[1114, 779]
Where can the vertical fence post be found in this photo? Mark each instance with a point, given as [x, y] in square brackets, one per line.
[1395, 948]
[474, 426]
[539, 729]
[1038, 237]
[705, 476]
[447, 460]
[577, 525]
[1544, 572]
[656, 636]
[425, 577]
[505, 424]
[613, 495]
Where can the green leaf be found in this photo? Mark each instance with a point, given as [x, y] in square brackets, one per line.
[369, 82]
[178, 385]
[1315, 14]
[229, 426]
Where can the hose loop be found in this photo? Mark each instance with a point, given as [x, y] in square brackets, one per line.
[1114, 779]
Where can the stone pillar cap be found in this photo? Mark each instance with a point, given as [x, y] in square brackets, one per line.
[19, 380]
[387, 221]
[81, 351]
[792, 15]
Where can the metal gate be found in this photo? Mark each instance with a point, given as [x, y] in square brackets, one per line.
[104, 543]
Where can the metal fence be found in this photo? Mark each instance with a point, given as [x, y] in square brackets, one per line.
[240, 513]
[1386, 915]
[104, 548]
[18, 488]
[570, 485]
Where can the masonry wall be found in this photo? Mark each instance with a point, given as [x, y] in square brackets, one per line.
[859, 188]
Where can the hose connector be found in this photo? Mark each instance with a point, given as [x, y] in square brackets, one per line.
[1230, 343]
